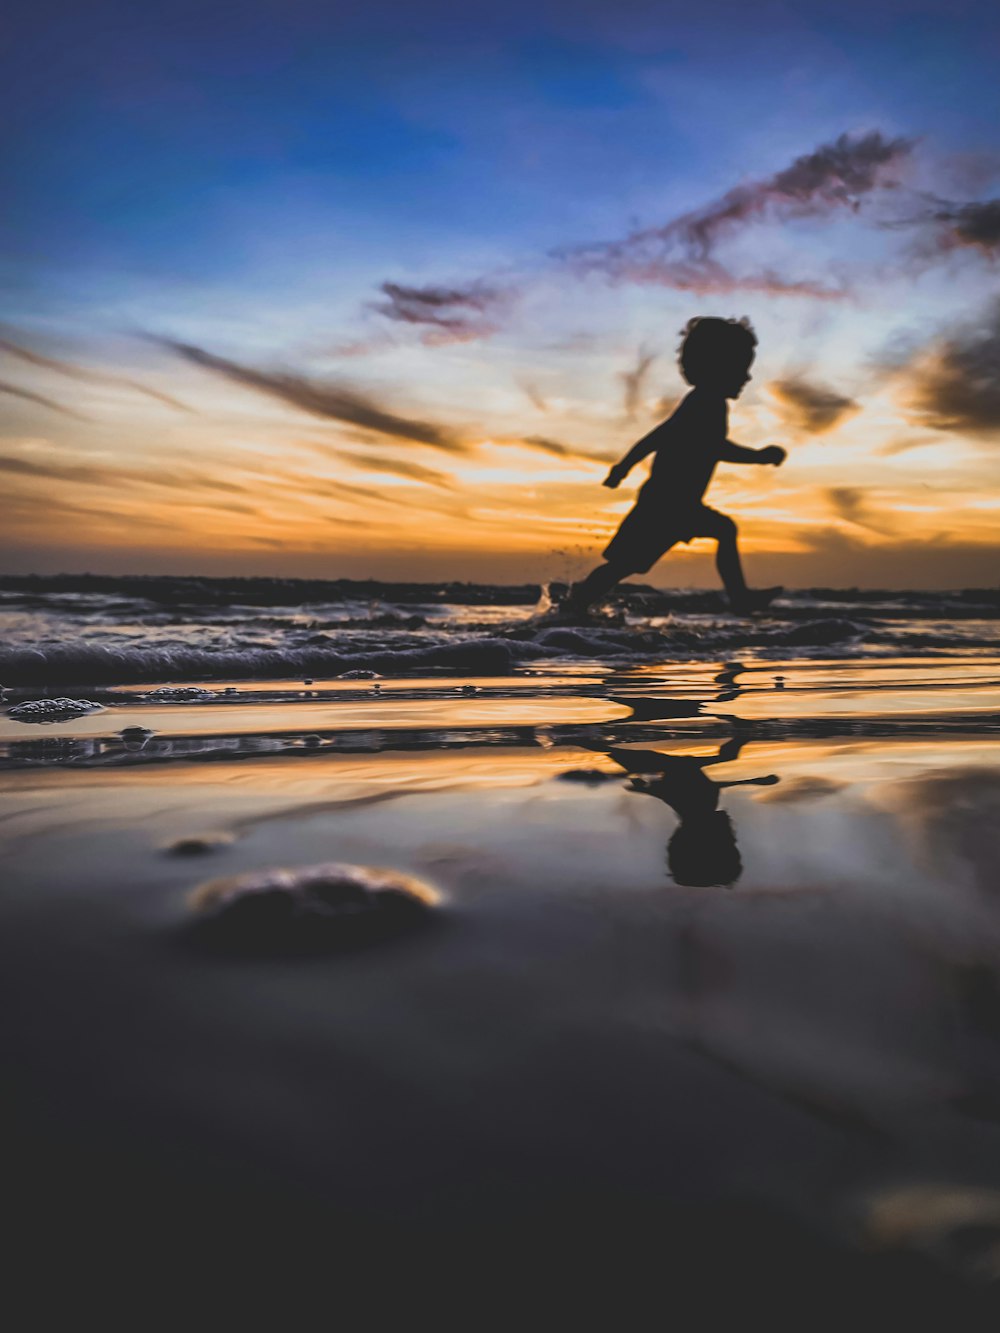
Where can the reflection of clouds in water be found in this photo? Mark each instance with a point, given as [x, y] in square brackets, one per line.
[956, 1225]
[954, 816]
[808, 787]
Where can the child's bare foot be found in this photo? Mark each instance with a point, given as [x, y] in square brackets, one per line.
[755, 600]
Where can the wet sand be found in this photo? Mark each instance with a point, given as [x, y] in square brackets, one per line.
[589, 1087]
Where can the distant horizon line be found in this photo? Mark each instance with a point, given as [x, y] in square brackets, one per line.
[473, 583]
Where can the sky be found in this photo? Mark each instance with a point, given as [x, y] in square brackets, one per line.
[381, 290]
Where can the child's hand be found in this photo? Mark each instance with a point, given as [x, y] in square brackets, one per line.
[615, 477]
[773, 454]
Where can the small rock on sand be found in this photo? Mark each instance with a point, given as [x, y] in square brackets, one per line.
[198, 844]
[308, 909]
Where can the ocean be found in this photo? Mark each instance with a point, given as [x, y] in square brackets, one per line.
[392, 946]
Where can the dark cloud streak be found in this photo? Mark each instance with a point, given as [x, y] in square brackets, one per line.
[955, 384]
[82, 373]
[331, 401]
[445, 314]
[851, 504]
[811, 407]
[53, 406]
[399, 467]
[88, 474]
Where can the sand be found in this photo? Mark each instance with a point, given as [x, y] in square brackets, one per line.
[584, 1089]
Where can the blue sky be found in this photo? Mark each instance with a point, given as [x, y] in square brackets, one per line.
[245, 177]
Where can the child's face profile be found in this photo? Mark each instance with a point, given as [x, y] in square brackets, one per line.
[736, 378]
[729, 376]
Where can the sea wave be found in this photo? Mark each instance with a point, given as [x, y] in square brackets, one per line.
[103, 630]
[331, 655]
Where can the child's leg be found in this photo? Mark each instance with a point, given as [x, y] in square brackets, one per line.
[596, 585]
[727, 561]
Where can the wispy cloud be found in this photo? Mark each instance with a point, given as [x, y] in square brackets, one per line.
[331, 401]
[682, 252]
[634, 380]
[535, 396]
[851, 504]
[943, 226]
[559, 450]
[97, 474]
[974, 225]
[548, 446]
[50, 403]
[47, 510]
[954, 384]
[76, 372]
[810, 407]
[445, 314]
[399, 467]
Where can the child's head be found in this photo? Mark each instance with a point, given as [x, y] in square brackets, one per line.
[717, 353]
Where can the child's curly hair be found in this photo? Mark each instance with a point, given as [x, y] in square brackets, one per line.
[709, 344]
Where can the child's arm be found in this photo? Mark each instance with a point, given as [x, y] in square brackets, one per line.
[739, 453]
[656, 437]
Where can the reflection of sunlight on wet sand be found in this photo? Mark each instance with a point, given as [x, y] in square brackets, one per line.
[61, 798]
[923, 700]
[358, 714]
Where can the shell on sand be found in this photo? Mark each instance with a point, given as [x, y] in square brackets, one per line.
[308, 908]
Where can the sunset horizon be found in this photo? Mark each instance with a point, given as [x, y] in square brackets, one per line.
[236, 325]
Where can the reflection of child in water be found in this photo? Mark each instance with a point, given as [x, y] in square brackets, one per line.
[702, 853]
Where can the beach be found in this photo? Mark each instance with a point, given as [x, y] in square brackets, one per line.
[590, 1072]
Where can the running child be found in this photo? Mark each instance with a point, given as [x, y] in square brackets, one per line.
[715, 359]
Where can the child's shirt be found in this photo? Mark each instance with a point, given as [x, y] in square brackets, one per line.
[685, 459]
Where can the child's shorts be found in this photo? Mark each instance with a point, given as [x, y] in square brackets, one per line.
[650, 529]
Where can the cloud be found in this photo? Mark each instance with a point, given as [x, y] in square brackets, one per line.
[400, 467]
[904, 444]
[682, 252]
[37, 398]
[445, 314]
[81, 373]
[851, 504]
[944, 226]
[634, 380]
[50, 509]
[548, 446]
[559, 450]
[534, 395]
[810, 407]
[564, 451]
[973, 225]
[955, 383]
[330, 401]
[90, 474]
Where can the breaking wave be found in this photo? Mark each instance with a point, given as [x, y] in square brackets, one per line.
[88, 630]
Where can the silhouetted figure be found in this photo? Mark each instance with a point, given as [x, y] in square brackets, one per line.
[702, 853]
[715, 359]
